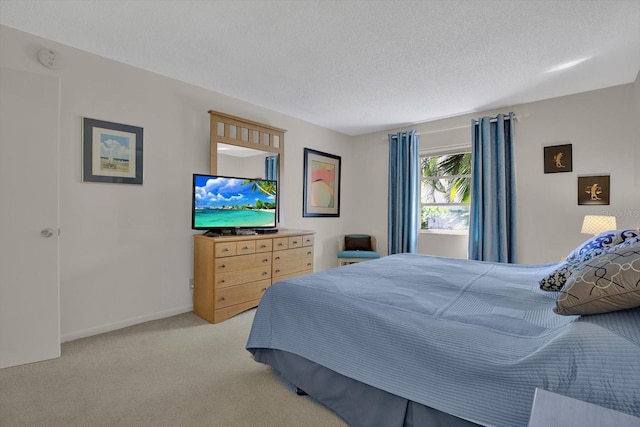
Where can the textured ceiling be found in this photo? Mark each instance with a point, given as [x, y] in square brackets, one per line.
[357, 66]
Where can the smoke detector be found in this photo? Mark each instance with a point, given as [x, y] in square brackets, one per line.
[49, 58]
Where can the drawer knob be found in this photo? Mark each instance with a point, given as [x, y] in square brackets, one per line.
[264, 289]
[265, 260]
[277, 271]
[308, 264]
[223, 299]
[245, 248]
[222, 281]
[277, 257]
[264, 273]
[223, 266]
[295, 242]
[279, 244]
[309, 253]
[225, 250]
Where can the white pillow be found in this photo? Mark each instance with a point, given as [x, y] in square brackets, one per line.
[607, 282]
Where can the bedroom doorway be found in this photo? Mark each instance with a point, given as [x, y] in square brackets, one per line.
[29, 217]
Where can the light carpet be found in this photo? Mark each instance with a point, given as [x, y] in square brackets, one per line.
[178, 371]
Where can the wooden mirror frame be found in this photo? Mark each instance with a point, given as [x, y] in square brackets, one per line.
[248, 134]
[244, 133]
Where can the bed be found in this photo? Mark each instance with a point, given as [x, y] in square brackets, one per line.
[422, 340]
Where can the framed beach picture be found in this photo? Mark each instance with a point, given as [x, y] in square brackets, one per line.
[111, 152]
[558, 158]
[593, 190]
[321, 189]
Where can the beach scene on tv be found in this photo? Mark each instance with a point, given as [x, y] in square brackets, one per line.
[234, 202]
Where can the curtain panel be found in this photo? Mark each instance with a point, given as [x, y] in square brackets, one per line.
[492, 217]
[271, 168]
[404, 192]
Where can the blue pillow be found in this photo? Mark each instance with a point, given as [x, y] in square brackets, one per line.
[605, 239]
[555, 280]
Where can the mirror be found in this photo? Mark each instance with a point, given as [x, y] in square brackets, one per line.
[240, 161]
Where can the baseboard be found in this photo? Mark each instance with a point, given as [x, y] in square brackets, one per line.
[123, 323]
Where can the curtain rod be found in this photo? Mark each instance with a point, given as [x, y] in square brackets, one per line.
[496, 119]
[444, 130]
[459, 127]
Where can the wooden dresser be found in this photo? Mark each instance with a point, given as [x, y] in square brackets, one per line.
[230, 273]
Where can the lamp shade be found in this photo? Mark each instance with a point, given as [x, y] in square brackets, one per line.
[596, 224]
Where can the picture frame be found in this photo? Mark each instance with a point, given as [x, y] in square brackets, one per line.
[558, 158]
[321, 189]
[594, 190]
[111, 152]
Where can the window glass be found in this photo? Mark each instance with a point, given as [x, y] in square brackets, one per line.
[445, 191]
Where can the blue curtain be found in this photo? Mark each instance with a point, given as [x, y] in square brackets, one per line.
[271, 168]
[404, 192]
[492, 217]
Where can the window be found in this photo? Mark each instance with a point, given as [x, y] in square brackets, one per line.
[445, 191]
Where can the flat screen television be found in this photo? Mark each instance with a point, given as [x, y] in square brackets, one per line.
[224, 203]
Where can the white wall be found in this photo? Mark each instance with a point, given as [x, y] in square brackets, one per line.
[246, 167]
[600, 125]
[636, 119]
[125, 250]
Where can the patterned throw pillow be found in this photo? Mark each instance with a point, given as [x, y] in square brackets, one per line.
[605, 239]
[608, 282]
[555, 280]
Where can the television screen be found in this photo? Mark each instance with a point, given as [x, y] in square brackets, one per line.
[223, 202]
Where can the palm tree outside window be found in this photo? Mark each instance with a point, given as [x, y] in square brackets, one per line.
[445, 191]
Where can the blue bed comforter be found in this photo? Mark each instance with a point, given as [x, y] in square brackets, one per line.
[469, 338]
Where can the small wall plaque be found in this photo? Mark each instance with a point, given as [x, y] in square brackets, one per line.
[593, 190]
[557, 158]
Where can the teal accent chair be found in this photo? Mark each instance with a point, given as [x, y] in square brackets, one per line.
[354, 248]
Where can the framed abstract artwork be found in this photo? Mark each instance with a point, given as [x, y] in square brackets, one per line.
[321, 189]
[111, 152]
[593, 190]
[558, 158]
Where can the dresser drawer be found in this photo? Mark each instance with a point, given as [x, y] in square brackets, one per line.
[223, 314]
[242, 262]
[246, 247]
[307, 240]
[233, 295]
[282, 277]
[291, 261]
[232, 278]
[264, 245]
[292, 255]
[292, 266]
[225, 249]
[295, 242]
[280, 243]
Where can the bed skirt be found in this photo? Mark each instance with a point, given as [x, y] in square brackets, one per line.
[358, 404]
